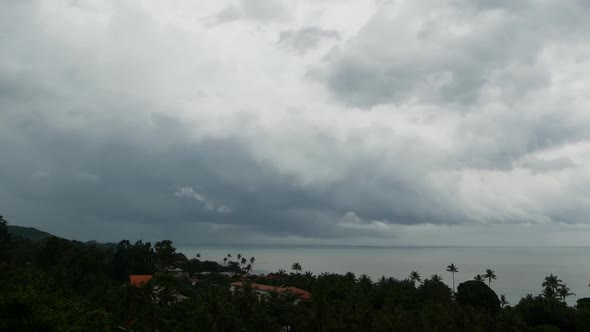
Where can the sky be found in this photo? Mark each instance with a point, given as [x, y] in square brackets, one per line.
[336, 122]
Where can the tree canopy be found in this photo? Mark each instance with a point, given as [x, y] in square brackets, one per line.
[60, 285]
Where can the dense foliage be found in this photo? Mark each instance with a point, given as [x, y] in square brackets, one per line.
[60, 285]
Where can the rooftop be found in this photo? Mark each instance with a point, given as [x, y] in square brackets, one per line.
[138, 280]
[300, 293]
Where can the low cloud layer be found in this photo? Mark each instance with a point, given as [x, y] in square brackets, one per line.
[316, 122]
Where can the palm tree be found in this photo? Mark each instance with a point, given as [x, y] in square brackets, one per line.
[453, 268]
[490, 274]
[216, 310]
[415, 276]
[552, 282]
[198, 255]
[479, 277]
[224, 261]
[549, 293]
[350, 276]
[503, 301]
[282, 272]
[252, 260]
[296, 267]
[309, 277]
[563, 291]
[365, 280]
[436, 278]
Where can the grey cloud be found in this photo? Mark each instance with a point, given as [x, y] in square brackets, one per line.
[307, 38]
[482, 59]
[497, 137]
[448, 53]
[87, 177]
[536, 164]
[190, 193]
[103, 139]
[139, 186]
[258, 10]
[229, 14]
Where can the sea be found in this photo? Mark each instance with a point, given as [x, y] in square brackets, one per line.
[519, 270]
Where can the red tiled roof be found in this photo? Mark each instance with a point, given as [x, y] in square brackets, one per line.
[139, 280]
[300, 293]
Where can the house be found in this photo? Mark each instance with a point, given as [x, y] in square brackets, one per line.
[173, 296]
[300, 293]
[157, 291]
[227, 274]
[177, 272]
[137, 280]
[261, 290]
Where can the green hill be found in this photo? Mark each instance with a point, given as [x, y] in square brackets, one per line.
[29, 233]
[33, 234]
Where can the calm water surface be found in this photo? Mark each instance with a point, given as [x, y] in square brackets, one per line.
[520, 270]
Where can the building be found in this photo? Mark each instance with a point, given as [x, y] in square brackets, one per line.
[261, 290]
[177, 272]
[137, 280]
[157, 293]
[227, 274]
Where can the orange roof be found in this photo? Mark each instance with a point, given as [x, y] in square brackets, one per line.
[300, 293]
[139, 280]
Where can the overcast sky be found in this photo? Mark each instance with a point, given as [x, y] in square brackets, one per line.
[432, 122]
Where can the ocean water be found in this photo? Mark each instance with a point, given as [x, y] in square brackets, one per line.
[519, 270]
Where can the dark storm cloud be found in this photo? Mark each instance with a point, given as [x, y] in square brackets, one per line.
[70, 178]
[116, 122]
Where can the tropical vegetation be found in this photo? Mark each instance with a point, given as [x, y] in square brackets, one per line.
[54, 284]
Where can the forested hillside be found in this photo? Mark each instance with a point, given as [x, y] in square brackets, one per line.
[28, 233]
